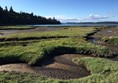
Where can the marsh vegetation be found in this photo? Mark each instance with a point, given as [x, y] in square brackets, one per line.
[52, 56]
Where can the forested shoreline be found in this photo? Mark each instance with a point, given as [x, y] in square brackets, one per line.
[11, 17]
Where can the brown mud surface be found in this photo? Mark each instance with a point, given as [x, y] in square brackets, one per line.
[37, 29]
[108, 32]
[62, 67]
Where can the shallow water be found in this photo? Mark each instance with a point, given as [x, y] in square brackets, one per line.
[64, 24]
[105, 33]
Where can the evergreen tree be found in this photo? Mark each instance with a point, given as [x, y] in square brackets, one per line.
[1, 9]
[6, 9]
[1, 15]
[11, 9]
[14, 18]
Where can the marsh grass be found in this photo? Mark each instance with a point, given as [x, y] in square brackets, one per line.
[16, 27]
[70, 32]
[102, 71]
[111, 40]
[34, 52]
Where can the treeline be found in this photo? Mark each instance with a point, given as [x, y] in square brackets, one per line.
[10, 17]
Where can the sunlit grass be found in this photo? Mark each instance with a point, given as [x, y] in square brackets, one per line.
[15, 27]
[110, 40]
[102, 71]
[71, 32]
[34, 51]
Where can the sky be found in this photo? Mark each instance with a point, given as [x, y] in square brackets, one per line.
[68, 10]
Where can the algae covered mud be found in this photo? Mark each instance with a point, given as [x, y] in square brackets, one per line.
[53, 55]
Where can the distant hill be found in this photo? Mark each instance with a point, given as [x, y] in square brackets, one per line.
[10, 17]
[105, 22]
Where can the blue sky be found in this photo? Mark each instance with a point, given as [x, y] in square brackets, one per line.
[68, 10]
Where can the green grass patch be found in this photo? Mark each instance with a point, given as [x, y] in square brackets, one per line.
[98, 65]
[70, 32]
[111, 40]
[34, 52]
[15, 27]
[102, 70]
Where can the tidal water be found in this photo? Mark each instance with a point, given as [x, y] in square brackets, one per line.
[59, 25]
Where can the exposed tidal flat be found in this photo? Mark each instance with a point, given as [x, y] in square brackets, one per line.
[59, 54]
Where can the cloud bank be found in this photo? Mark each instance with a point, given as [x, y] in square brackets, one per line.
[91, 17]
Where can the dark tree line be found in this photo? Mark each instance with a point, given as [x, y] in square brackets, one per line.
[10, 17]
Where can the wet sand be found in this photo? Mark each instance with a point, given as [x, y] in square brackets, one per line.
[37, 29]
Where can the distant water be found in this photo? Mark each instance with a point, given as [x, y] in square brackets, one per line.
[77, 25]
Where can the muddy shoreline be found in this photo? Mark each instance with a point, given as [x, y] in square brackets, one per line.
[36, 29]
[62, 67]
[96, 37]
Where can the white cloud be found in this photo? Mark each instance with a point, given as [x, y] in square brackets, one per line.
[64, 18]
[97, 16]
[91, 17]
[57, 16]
